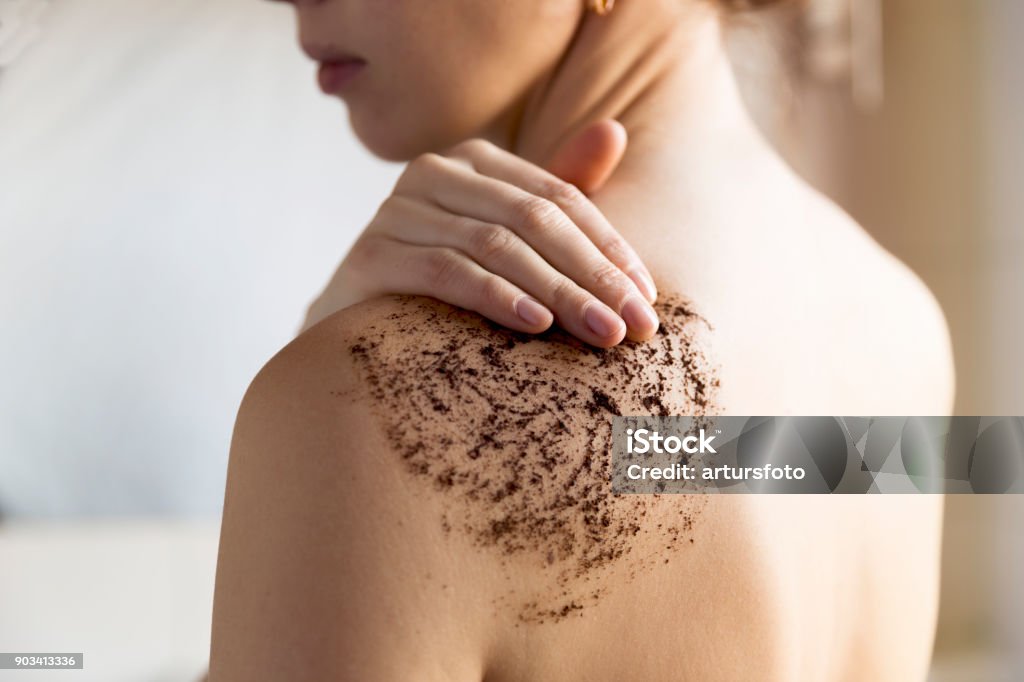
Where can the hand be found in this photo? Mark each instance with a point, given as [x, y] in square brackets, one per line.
[483, 229]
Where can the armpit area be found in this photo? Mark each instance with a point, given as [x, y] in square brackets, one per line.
[514, 430]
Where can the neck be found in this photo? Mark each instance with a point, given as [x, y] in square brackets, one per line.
[661, 70]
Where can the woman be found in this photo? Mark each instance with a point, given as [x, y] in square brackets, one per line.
[417, 493]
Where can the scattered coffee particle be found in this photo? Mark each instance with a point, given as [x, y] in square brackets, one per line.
[515, 431]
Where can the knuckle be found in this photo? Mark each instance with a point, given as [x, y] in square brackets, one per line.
[561, 192]
[615, 248]
[489, 242]
[607, 276]
[364, 251]
[563, 289]
[536, 213]
[470, 148]
[426, 162]
[424, 165]
[442, 268]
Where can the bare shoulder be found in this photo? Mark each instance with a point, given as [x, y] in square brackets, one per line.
[902, 325]
[879, 333]
[510, 434]
[407, 468]
[326, 557]
[921, 334]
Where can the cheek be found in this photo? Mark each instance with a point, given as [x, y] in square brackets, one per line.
[408, 108]
[454, 71]
[418, 92]
[411, 105]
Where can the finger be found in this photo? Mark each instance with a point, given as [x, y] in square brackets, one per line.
[548, 230]
[588, 158]
[500, 251]
[451, 276]
[490, 160]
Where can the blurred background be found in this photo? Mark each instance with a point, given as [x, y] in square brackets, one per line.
[174, 191]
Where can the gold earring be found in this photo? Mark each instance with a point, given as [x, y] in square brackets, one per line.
[601, 7]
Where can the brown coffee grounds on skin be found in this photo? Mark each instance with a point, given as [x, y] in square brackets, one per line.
[515, 430]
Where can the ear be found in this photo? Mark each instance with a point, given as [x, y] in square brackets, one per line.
[588, 158]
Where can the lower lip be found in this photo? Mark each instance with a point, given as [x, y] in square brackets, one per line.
[334, 76]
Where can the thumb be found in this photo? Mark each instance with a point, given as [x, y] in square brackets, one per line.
[588, 158]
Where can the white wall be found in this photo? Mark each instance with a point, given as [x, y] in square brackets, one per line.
[173, 191]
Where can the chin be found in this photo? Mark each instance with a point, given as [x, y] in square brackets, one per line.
[391, 142]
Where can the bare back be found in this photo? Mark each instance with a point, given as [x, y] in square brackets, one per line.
[504, 556]
[430, 492]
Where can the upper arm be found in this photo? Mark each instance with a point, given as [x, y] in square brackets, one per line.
[323, 552]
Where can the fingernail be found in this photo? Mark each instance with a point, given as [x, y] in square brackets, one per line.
[645, 283]
[531, 311]
[638, 314]
[601, 320]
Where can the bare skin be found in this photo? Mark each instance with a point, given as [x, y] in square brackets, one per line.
[339, 562]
